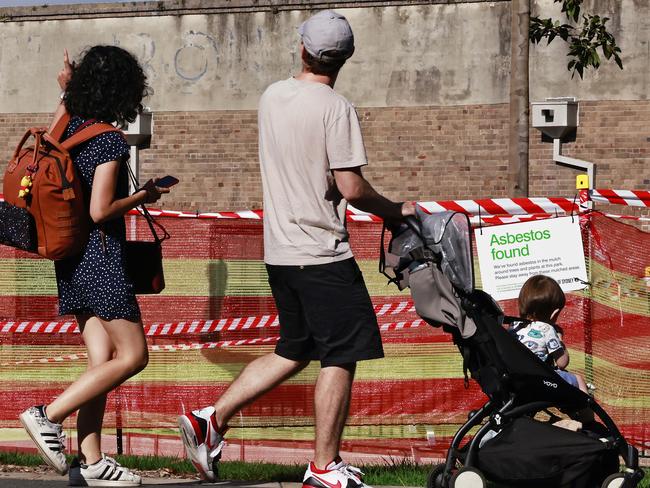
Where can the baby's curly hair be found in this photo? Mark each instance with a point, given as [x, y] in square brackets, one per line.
[108, 84]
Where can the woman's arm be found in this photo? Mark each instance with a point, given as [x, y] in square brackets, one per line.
[62, 78]
[103, 205]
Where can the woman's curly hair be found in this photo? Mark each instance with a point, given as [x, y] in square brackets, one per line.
[108, 84]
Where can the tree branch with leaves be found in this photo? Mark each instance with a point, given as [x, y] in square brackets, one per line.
[584, 40]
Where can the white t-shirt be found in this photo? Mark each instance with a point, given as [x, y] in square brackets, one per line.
[539, 337]
[306, 129]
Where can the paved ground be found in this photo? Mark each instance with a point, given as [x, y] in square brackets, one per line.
[34, 480]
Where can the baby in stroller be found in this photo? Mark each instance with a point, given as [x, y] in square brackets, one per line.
[541, 301]
[503, 441]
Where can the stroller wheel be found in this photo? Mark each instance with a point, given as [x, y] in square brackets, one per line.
[435, 479]
[614, 481]
[467, 478]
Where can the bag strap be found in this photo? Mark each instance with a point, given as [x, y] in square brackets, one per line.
[142, 210]
[59, 125]
[382, 251]
[34, 131]
[88, 133]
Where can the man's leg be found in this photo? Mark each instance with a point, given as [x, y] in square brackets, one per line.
[331, 404]
[202, 430]
[259, 377]
[343, 326]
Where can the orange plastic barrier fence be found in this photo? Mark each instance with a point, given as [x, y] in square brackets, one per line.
[406, 404]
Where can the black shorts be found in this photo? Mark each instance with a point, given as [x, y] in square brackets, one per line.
[325, 313]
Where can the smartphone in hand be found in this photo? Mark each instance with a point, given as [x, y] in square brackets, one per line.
[167, 181]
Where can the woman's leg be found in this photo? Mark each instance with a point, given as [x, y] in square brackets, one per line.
[130, 357]
[91, 415]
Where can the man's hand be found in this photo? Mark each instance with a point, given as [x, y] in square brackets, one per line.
[408, 208]
[66, 72]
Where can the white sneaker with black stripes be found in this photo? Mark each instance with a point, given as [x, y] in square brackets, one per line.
[48, 437]
[105, 472]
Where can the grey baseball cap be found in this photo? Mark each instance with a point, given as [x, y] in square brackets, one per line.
[327, 36]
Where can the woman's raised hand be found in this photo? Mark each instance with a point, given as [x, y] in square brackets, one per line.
[66, 72]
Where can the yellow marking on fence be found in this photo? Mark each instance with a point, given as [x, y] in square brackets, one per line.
[217, 278]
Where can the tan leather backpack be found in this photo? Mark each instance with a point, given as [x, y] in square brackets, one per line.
[42, 179]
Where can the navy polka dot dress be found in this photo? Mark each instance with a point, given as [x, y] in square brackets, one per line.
[95, 282]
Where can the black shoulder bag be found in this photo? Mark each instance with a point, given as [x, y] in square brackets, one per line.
[144, 258]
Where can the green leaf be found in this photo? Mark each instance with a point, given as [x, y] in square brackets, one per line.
[583, 42]
[618, 61]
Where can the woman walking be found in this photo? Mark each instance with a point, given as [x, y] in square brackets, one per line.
[108, 85]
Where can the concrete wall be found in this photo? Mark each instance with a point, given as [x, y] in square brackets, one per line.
[410, 55]
[629, 23]
[405, 55]
[430, 80]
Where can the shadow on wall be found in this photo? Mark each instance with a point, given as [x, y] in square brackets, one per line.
[217, 278]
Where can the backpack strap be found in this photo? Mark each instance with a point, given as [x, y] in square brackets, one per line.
[59, 125]
[87, 134]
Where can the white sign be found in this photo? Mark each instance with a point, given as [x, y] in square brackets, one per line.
[510, 254]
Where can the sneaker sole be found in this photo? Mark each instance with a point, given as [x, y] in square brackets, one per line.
[187, 436]
[44, 451]
[85, 482]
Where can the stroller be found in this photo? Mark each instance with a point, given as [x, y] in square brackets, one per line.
[432, 255]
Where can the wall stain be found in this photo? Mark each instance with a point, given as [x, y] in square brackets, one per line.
[192, 60]
[424, 85]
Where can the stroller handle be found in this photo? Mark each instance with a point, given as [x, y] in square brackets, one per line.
[413, 222]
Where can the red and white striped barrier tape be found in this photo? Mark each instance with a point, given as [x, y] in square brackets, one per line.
[627, 217]
[195, 346]
[499, 220]
[411, 324]
[487, 208]
[491, 210]
[162, 329]
[154, 348]
[502, 207]
[56, 359]
[359, 216]
[633, 198]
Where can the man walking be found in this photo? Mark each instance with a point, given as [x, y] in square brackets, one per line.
[311, 153]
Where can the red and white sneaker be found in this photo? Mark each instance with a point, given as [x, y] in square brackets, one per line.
[337, 474]
[202, 440]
